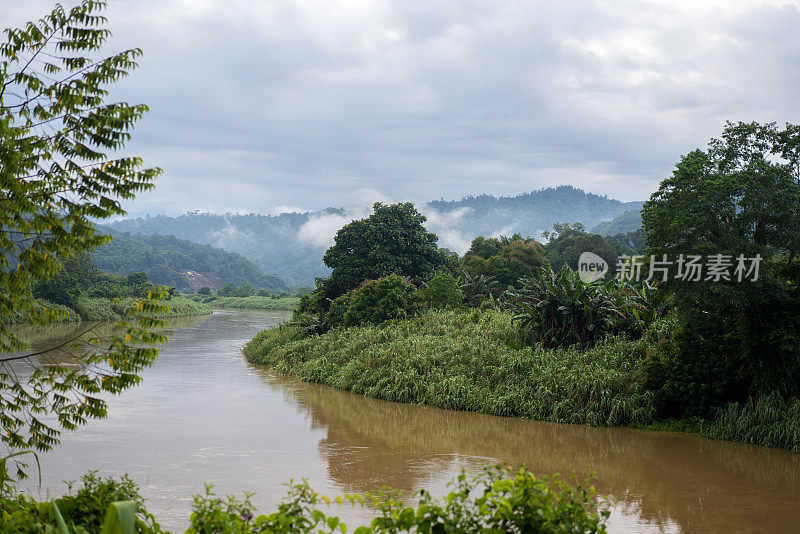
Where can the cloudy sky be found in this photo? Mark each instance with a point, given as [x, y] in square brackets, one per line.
[273, 105]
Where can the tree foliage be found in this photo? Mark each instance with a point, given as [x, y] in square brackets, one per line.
[59, 169]
[739, 197]
[392, 240]
[505, 259]
[166, 259]
[569, 241]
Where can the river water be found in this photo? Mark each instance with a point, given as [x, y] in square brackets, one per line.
[203, 414]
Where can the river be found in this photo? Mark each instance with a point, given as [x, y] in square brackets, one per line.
[203, 414]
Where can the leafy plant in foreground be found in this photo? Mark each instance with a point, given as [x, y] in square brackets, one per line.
[495, 501]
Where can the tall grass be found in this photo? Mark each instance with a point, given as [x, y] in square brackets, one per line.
[255, 302]
[104, 309]
[770, 420]
[69, 315]
[467, 360]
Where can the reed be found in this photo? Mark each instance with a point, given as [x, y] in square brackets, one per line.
[771, 420]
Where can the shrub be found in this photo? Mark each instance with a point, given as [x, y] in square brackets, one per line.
[205, 290]
[490, 502]
[84, 511]
[478, 290]
[442, 291]
[690, 368]
[337, 309]
[557, 309]
[385, 299]
[245, 290]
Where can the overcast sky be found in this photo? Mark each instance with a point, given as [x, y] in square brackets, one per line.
[273, 105]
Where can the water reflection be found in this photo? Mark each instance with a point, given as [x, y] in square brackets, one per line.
[664, 479]
[202, 414]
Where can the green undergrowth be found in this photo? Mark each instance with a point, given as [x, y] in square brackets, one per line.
[770, 420]
[105, 309]
[474, 361]
[68, 315]
[496, 500]
[255, 302]
[689, 425]
[467, 360]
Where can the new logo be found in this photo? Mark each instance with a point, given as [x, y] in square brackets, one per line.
[591, 267]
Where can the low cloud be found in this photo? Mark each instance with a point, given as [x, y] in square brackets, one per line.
[228, 236]
[320, 230]
[505, 231]
[447, 225]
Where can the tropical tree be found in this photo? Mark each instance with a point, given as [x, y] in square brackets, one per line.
[739, 202]
[60, 168]
[392, 240]
[505, 259]
[569, 241]
[556, 309]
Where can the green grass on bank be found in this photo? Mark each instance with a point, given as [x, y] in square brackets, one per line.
[105, 309]
[471, 360]
[769, 420]
[18, 317]
[255, 303]
[467, 361]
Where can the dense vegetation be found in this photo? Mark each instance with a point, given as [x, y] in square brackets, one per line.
[272, 241]
[80, 291]
[521, 334]
[467, 360]
[171, 261]
[253, 302]
[630, 221]
[495, 499]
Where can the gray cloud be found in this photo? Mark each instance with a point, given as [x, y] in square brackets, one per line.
[257, 105]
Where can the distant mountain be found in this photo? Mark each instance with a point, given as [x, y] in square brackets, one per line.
[629, 221]
[180, 263]
[531, 213]
[292, 244]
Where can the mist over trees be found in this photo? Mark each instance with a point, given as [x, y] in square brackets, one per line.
[275, 243]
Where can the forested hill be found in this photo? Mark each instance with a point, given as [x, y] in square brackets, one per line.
[629, 221]
[180, 263]
[288, 244]
[531, 213]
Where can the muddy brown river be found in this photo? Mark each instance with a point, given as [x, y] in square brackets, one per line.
[202, 414]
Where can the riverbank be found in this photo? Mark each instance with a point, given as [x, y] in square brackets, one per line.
[255, 302]
[472, 361]
[105, 309]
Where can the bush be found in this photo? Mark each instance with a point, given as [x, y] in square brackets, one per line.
[690, 369]
[205, 290]
[84, 511]
[490, 502]
[442, 291]
[337, 309]
[245, 290]
[556, 309]
[385, 299]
